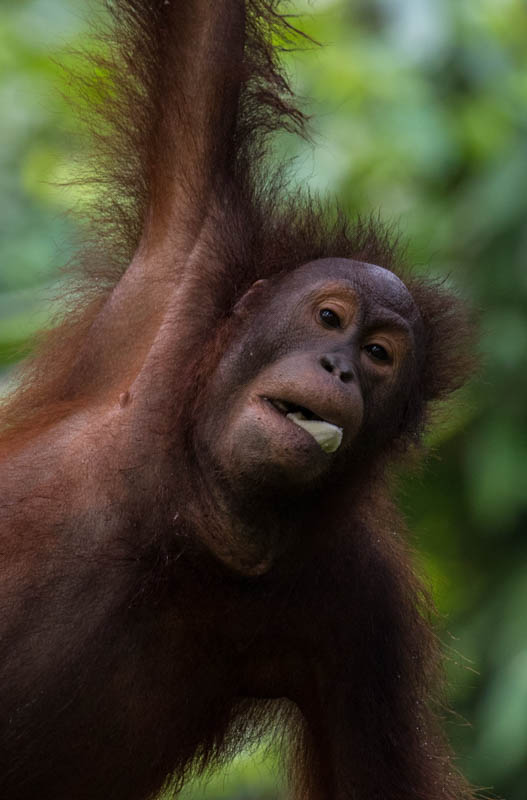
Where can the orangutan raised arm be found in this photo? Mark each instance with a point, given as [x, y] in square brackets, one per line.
[197, 542]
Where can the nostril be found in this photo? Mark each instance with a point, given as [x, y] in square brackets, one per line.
[337, 366]
[327, 364]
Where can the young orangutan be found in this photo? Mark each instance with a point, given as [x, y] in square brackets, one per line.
[197, 542]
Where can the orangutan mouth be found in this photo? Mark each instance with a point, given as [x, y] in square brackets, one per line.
[327, 435]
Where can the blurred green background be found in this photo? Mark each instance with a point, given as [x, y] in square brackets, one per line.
[420, 111]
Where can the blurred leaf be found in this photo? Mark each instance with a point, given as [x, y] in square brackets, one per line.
[496, 479]
[502, 745]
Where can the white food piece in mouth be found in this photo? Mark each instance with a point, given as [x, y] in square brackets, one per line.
[326, 435]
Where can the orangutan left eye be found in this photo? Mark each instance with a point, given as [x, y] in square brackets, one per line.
[378, 352]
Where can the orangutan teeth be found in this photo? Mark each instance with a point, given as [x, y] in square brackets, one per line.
[326, 435]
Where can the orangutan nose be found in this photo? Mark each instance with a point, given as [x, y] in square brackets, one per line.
[338, 365]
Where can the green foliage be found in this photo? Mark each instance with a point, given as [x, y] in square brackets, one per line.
[37, 142]
[420, 110]
[252, 776]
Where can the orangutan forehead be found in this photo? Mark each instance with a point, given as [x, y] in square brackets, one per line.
[380, 276]
[376, 283]
[385, 286]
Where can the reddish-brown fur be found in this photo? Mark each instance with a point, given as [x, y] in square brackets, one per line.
[131, 657]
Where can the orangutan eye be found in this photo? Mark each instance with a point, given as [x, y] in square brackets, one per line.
[329, 318]
[377, 352]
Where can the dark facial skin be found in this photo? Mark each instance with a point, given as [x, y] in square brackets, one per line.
[336, 338]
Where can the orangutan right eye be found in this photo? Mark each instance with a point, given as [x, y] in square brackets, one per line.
[329, 318]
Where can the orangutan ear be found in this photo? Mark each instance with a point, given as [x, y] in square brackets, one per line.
[251, 296]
